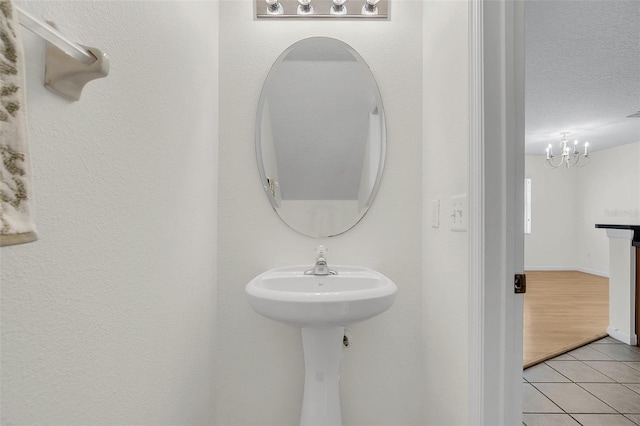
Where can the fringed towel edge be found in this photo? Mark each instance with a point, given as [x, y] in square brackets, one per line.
[14, 239]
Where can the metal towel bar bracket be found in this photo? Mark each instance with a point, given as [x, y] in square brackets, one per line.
[68, 65]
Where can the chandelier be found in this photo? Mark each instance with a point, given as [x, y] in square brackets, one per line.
[570, 156]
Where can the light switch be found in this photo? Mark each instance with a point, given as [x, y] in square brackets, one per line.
[435, 213]
[458, 213]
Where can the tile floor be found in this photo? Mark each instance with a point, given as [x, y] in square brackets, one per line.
[595, 385]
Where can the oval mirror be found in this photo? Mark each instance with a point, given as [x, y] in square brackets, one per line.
[320, 137]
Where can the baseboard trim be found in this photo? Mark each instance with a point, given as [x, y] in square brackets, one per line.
[567, 268]
[623, 337]
[594, 272]
[549, 268]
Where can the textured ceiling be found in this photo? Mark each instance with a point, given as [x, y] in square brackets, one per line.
[582, 72]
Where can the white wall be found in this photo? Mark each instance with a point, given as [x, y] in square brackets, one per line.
[610, 194]
[260, 365]
[445, 253]
[567, 203]
[555, 197]
[109, 317]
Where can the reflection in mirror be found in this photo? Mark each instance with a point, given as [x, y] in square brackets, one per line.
[320, 137]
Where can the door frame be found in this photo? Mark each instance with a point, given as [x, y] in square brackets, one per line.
[496, 216]
[637, 329]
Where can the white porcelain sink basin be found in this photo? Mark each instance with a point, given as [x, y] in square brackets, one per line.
[354, 294]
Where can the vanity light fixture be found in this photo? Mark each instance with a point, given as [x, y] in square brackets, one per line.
[361, 9]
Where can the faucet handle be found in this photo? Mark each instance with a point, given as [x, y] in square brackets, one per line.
[321, 251]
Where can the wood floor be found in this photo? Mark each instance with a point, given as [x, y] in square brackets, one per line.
[562, 311]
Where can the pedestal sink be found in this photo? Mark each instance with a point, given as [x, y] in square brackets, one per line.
[321, 305]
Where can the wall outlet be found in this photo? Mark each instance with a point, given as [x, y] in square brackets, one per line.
[458, 213]
[435, 213]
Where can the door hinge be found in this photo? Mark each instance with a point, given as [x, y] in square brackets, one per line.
[520, 283]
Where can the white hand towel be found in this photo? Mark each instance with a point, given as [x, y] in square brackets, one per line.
[16, 224]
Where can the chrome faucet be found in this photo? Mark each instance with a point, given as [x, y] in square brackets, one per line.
[321, 267]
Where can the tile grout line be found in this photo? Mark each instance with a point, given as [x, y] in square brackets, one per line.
[631, 389]
[552, 401]
[551, 367]
[587, 390]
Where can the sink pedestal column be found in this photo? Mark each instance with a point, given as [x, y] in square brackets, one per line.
[322, 351]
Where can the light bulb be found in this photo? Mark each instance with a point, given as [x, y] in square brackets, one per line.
[305, 7]
[370, 7]
[274, 7]
[338, 8]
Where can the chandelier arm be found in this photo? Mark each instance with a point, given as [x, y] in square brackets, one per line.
[573, 160]
[585, 160]
[551, 165]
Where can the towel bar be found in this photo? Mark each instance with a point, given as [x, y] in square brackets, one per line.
[68, 65]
